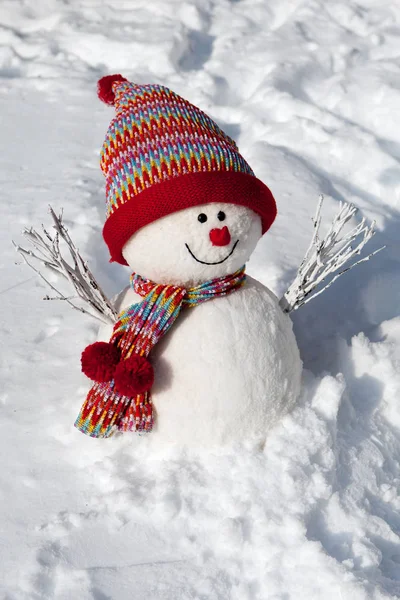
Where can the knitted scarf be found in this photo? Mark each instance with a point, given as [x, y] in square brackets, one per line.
[137, 330]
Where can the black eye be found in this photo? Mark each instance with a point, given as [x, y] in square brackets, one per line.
[202, 218]
[221, 216]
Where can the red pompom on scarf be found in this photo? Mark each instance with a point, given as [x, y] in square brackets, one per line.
[99, 361]
[134, 376]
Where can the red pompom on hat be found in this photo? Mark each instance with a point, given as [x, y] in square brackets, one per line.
[105, 90]
[162, 154]
[99, 361]
[134, 375]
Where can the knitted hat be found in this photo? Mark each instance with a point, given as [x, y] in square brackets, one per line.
[161, 155]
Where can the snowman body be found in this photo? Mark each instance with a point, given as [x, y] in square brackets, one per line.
[226, 372]
[228, 369]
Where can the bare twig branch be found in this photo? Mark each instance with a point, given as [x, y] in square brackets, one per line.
[327, 256]
[48, 253]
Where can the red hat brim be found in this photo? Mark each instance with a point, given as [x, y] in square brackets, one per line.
[185, 191]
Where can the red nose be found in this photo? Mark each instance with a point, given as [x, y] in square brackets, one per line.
[220, 237]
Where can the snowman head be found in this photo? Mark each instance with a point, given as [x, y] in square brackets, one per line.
[183, 206]
[194, 245]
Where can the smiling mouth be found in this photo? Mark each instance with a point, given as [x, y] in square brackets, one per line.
[203, 262]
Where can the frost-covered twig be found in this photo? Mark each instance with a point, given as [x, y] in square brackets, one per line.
[48, 253]
[327, 256]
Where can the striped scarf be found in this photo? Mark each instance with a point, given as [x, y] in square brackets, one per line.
[138, 329]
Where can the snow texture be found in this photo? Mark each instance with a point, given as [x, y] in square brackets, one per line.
[310, 91]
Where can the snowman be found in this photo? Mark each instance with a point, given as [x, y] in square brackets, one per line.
[201, 353]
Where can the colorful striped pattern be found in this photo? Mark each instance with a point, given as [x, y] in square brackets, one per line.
[138, 330]
[157, 135]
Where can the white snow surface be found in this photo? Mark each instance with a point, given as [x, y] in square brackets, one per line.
[310, 91]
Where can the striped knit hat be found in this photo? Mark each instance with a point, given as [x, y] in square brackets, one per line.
[162, 154]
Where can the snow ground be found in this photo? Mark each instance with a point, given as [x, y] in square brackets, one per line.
[310, 89]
